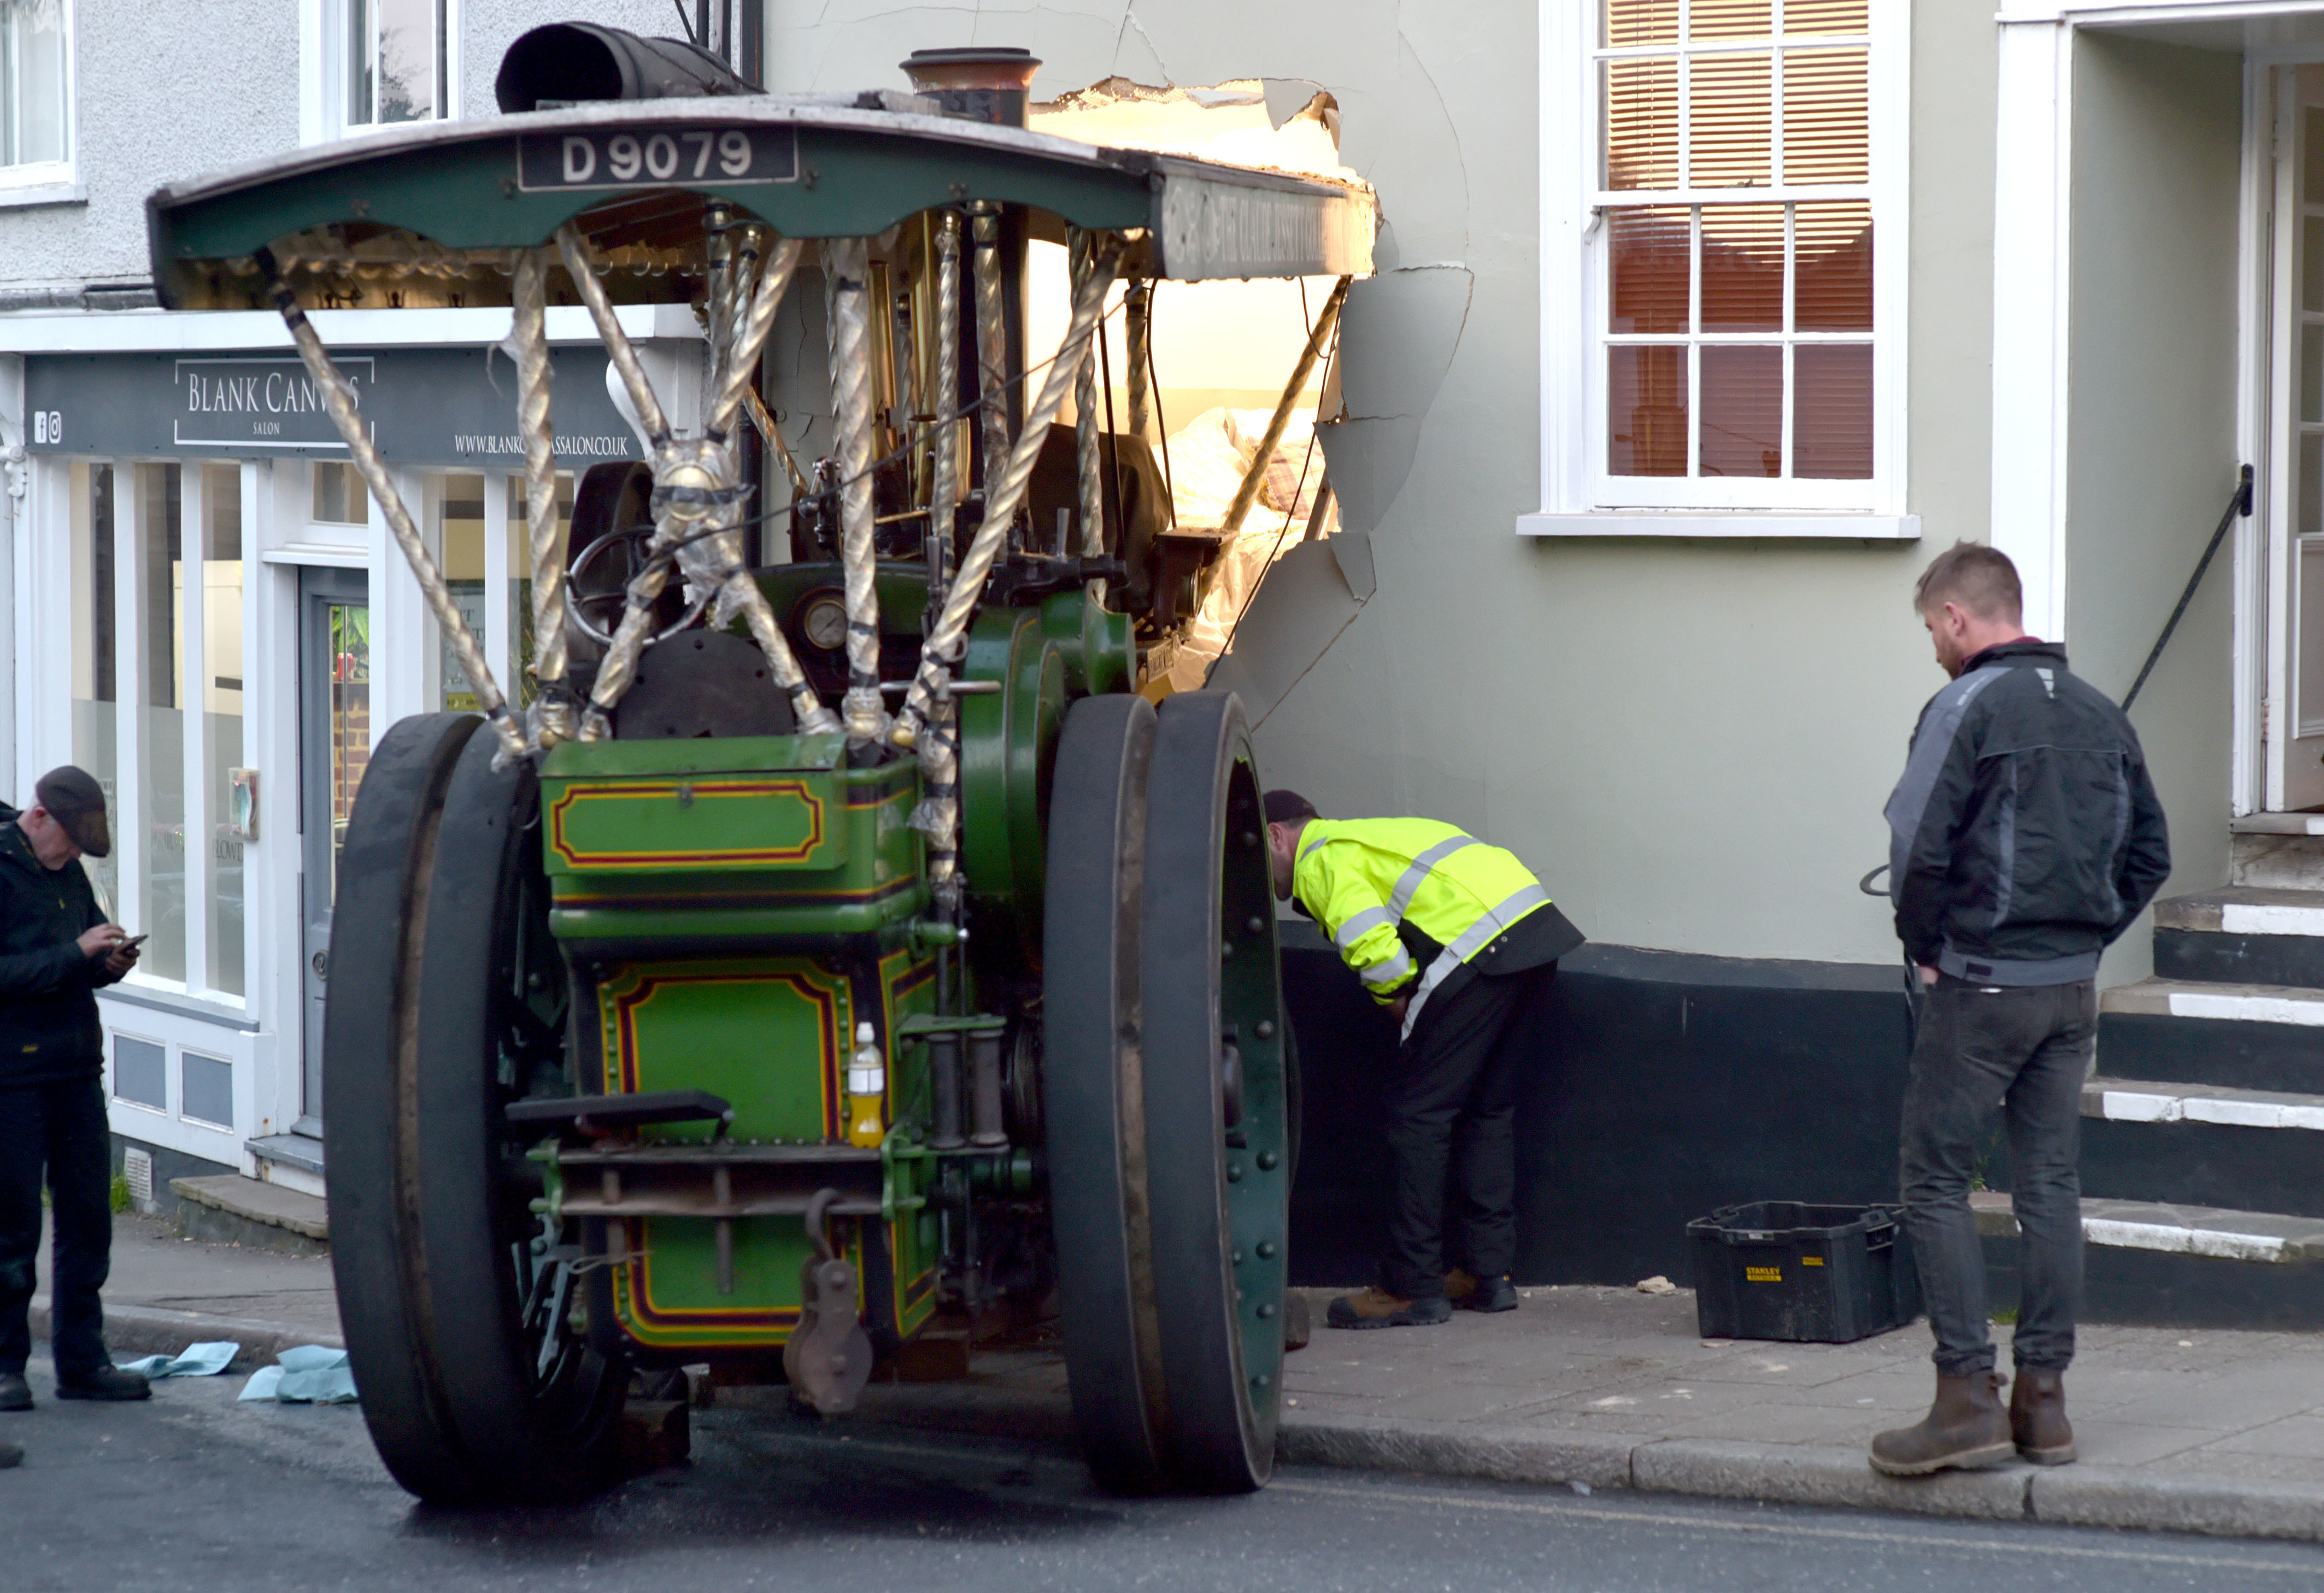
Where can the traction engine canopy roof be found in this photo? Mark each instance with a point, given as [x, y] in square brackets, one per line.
[401, 209]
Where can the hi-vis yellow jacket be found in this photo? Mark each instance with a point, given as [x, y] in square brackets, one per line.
[1360, 878]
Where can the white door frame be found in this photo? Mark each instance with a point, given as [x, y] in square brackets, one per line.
[2031, 264]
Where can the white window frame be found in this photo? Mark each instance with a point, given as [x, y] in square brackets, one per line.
[1578, 497]
[324, 48]
[52, 182]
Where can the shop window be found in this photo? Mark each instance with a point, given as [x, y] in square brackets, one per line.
[399, 60]
[157, 706]
[1728, 336]
[35, 87]
[340, 497]
[96, 735]
[159, 794]
[222, 717]
[350, 717]
[466, 507]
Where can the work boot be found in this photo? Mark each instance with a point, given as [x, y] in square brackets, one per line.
[1298, 1322]
[16, 1394]
[1966, 1427]
[2037, 1418]
[1377, 1308]
[107, 1383]
[1468, 1292]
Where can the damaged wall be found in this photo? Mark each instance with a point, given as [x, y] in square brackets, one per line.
[1691, 742]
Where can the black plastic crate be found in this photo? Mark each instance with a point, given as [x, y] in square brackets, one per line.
[1782, 1269]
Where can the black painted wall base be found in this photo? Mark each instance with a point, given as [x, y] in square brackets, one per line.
[2208, 956]
[2157, 1289]
[1662, 1086]
[2231, 1052]
[167, 1165]
[2201, 1164]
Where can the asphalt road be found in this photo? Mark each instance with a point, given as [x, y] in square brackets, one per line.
[195, 1492]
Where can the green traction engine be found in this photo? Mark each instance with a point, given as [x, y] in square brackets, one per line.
[819, 950]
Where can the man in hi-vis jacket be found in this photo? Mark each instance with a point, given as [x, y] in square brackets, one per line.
[2023, 839]
[1448, 934]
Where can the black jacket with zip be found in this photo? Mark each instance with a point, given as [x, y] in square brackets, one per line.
[49, 1029]
[2025, 834]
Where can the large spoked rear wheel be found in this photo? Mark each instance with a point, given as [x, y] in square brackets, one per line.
[1217, 1134]
[446, 1000]
[1094, 1103]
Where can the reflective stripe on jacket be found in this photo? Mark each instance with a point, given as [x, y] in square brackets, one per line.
[1359, 878]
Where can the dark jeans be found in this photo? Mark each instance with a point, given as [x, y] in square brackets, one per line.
[1451, 1101]
[2025, 1051]
[60, 1127]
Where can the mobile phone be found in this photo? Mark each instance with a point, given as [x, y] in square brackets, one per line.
[133, 943]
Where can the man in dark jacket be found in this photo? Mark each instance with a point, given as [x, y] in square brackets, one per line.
[2024, 837]
[56, 950]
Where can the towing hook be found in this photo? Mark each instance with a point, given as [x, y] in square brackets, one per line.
[817, 1204]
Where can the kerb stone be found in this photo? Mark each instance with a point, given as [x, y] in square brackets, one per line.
[2107, 1495]
[1798, 1474]
[1496, 1454]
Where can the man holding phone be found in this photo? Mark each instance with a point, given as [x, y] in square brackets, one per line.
[56, 951]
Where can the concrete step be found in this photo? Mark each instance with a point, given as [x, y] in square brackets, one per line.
[295, 1161]
[2163, 1264]
[2198, 1144]
[2242, 934]
[233, 1210]
[2237, 1036]
[2277, 849]
[2150, 1101]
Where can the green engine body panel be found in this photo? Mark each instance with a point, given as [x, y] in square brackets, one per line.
[744, 902]
[738, 839]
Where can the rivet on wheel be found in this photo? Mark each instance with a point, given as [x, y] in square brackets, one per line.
[1266, 1312]
[1238, 1258]
[1266, 1249]
[1250, 837]
[1234, 1172]
[1254, 924]
[1261, 1381]
[1267, 1161]
[1264, 1028]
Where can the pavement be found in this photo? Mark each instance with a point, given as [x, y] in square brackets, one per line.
[1582, 1388]
[167, 1292]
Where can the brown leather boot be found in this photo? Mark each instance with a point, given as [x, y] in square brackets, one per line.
[1966, 1427]
[2037, 1418]
[1374, 1307]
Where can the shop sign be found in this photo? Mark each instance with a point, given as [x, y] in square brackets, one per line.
[422, 406]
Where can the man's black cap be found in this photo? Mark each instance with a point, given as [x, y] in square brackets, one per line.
[74, 800]
[1287, 807]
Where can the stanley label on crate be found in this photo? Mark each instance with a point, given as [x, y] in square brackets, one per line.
[1763, 1275]
[1811, 1261]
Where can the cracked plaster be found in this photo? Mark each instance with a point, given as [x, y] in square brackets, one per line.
[1402, 329]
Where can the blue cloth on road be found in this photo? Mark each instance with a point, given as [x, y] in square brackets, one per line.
[198, 1360]
[307, 1374]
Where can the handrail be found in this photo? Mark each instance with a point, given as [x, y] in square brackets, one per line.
[2238, 506]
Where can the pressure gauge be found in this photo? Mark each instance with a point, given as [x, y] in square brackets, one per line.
[823, 622]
